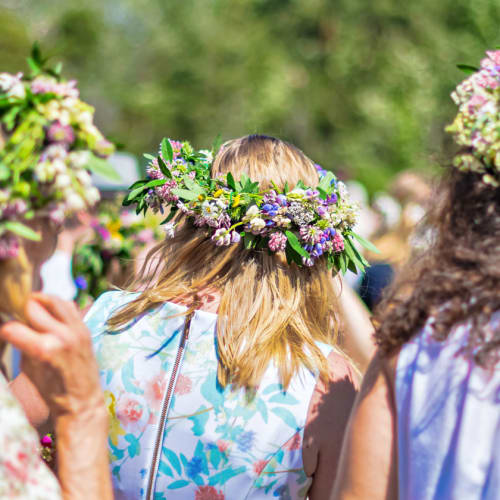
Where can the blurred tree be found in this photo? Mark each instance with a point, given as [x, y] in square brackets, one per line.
[360, 86]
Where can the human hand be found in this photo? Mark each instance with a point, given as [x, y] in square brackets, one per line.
[57, 355]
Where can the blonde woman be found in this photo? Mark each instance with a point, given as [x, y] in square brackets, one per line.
[222, 377]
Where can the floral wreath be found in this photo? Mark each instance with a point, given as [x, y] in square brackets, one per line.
[306, 223]
[48, 144]
[477, 124]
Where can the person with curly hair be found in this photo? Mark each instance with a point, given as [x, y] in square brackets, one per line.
[426, 423]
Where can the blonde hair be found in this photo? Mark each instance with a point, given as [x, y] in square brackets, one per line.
[269, 311]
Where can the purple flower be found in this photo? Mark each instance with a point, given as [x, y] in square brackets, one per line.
[270, 197]
[281, 199]
[61, 133]
[235, 237]
[322, 211]
[81, 283]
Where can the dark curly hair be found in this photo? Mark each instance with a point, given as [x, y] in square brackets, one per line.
[457, 279]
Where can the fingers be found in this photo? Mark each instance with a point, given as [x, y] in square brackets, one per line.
[40, 319]
[65, 312]
[26, 340]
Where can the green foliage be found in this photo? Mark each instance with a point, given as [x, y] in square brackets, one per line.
[362, 87]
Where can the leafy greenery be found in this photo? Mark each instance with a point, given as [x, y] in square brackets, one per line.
[363, 87]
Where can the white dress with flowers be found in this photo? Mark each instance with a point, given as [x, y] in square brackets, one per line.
[448, 421]
[23, 474]
[216, 444]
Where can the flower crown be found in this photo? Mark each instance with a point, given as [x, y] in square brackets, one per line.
[48, 142]
[306, 223]
[477, 124]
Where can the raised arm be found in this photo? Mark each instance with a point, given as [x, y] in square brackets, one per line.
[58, 359]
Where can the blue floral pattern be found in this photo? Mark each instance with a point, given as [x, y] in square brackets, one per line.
[218, 443]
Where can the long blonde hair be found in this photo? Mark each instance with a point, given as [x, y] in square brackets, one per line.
[269, 311]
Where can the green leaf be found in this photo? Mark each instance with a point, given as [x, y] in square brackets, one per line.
[365, 243]
[295, 244]
[230, 181]
[325, 183]
[217, 144]
[21, 230]
[4, 172]
[166, 150]
[103, 168]
[170, 216]
[140, 189]
[148, 156]
[164, 169]
[33, 66]
[467, 68]
[185, 194]
[249, 240]
[192, 185]
[348, 246]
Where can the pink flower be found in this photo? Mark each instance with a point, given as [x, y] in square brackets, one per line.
[183, 386]
[47, 440]
[277, 242]
[259, 466]
[129, 410]
[61, 133]
[222, 445]
[9, 246]
[154, 390]
[493, 55]
[208, 493]
[338, 243]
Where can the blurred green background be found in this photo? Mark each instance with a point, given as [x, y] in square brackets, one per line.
[361, 86]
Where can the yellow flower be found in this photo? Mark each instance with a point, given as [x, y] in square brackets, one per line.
[236, 201]
[114, 226]
[218, 193]
[115, 429]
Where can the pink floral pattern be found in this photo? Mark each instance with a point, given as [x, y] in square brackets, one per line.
[23, 475]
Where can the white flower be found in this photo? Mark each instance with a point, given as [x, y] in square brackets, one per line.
[13, 85]
[257, 224]
[207, 154]
[342, 188]
[92, 195]
[56, 151]
[79, 159]
[251, 213]
[62, 181]
[84, 177]
[74, 202]
[169, 229]
[44, 171]
[300, 193]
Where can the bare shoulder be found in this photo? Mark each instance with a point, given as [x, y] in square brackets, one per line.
[327, 419]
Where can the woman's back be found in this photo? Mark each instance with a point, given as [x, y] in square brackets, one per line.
[174, 432]
[448, 419]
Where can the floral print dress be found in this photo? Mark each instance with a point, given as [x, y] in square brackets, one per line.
[23, 474]
[174, 433]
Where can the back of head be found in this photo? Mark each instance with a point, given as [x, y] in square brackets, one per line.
[458, 279]
[269, 311]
